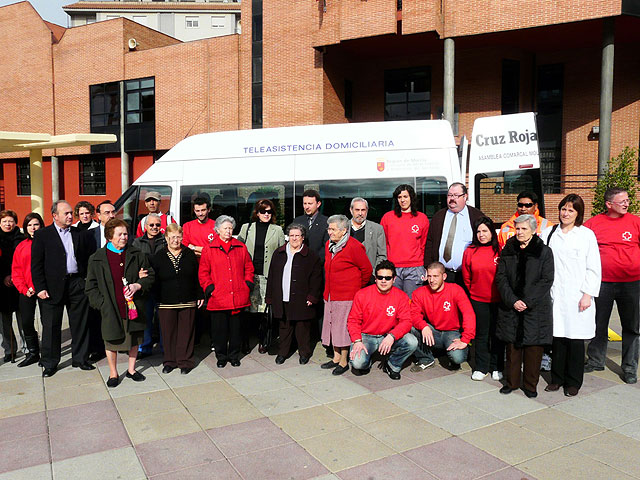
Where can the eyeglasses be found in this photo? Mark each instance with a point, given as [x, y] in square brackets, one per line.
[525, 205]
[623, 202]
[455, 195]
[153, 224]
[266, 212]
[384, 277]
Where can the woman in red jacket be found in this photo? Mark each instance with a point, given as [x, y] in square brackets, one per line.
[346, 270]
[226, 276]
[21, 276]
[479, 266]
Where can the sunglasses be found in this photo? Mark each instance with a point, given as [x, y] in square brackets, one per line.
[527, 205]
[153, 224]
[384, 277]
[266, 212]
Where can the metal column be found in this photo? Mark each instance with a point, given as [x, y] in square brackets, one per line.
[449, 80]
[37, 187]
[606, 94]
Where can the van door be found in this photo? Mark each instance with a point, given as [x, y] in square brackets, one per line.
[504, 161]
[130, 207]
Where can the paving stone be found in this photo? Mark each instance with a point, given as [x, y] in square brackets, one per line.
[413, 397]
[310, 422]
[456, 417]
[600, 447]
[288, 461]
[365, 409]
[88, 438]
[120, 463]
[404, 432]
[395, 466]
[224, 412]
[459, 386]
[282, 401]
[334, 389]
[558, 426]
[258, 383]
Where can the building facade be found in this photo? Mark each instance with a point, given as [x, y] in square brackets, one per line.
[308, 62]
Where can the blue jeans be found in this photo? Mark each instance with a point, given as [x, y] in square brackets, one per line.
[400, 351]
[442, 340]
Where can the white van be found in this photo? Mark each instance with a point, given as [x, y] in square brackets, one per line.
[235, 169]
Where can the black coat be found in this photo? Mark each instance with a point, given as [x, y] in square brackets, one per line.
[317, 236]
[8, 243]
[525, 275]
[173, 288]
[49, 259]
[148, 248]
[306, 284]
[434, 235]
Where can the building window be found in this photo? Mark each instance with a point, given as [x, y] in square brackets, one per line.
[549, 99]
[104, 110]
[140, 124]
[407, 94]
[23, 175]
[141, 19]
[111, 17]
[217, 21]
[256, 64]
[510, 86]
[192, 22]
[92, 176]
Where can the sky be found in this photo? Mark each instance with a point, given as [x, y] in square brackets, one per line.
[49, 10]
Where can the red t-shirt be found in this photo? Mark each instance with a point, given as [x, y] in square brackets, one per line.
[198, 234]
[479, 266]
[377, 313]
[443, 310]
[406, 236]
[619, 244]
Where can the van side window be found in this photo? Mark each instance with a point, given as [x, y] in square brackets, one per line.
[238, 201]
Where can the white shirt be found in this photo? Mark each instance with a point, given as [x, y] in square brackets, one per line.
[464, 236]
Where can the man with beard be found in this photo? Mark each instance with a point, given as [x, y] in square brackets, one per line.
[370, 234]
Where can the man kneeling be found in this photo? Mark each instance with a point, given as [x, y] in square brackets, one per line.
[380, 319]
[436, 310]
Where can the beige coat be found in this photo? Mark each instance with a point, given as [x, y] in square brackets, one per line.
[273, 240]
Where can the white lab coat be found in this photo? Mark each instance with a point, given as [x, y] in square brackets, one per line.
[576, 260]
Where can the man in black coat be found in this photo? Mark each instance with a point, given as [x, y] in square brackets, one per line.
[314, 222]
[445, 245]
[59, 257]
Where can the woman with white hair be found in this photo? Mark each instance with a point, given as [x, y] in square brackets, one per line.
[226, 276]
[525, 319]
[346, 270]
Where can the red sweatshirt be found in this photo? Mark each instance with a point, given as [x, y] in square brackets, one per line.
[443, 309]
[406, 237]
[377, 313]
[619, 244]
[21, 267]
[198, 234]
[479, 266]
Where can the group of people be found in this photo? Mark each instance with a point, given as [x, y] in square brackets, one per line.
[405, 288]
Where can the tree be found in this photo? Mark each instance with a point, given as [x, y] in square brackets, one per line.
[620, 172]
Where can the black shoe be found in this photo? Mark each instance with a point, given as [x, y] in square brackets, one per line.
[588, 368]
[10, 358]
[262, 349]
[280, 359]
[630, 378]
[167, 369]
[136, 376]
[221, 363]
[339, 370]
[142, 355]
[328, 365]
[83, 366]
[97, 356]
[359, 372]
[570, 391]
[30, 359]
[552, 387]
[530, 393]
[235, 363]
[49, 372]
[185, 371]
[303, 360]
[392, 375]
[506, 390]
[113, 382]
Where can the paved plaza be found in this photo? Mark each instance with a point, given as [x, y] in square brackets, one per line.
[266, 421]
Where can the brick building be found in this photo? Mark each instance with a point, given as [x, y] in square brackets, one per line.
[312, 62]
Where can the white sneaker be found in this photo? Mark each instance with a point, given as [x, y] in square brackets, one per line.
[496, 375]
[478, 375]
[419, 367]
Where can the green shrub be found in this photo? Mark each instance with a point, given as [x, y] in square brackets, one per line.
[621, 172]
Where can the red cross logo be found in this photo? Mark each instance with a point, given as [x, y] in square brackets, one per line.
[390, 311]
[446, 306]
[626, 236]
[415, 229]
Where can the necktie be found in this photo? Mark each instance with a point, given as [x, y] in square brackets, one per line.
[446, 256]
[310, 222]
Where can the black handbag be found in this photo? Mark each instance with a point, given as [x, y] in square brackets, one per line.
[265, 329]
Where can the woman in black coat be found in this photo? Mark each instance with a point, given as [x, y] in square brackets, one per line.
[525, 318]
[178, 294]
[293, 288]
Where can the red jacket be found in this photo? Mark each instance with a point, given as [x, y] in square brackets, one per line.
[479, 267]
[228, 273]
[443, 310]
[21, 267]
[376, 313]
[346, 272]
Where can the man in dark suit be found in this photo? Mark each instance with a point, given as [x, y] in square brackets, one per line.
[445, 244]
[106, 211]
[59, 258]
[314, 222]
